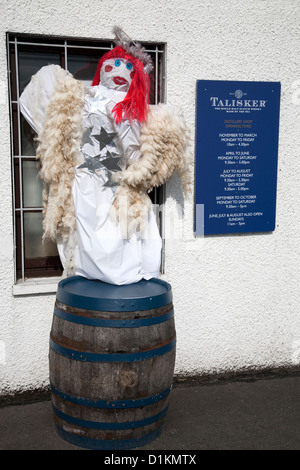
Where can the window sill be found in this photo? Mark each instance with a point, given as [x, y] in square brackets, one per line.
[45, 285]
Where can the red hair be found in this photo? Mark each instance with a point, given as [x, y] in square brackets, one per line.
[135, 103]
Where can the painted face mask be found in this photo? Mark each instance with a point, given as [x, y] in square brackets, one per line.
[116, 74]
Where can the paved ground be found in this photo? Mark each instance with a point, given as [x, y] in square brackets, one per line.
[259, 415]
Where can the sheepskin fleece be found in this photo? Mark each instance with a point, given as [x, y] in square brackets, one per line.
[164, 150]
[59, 154]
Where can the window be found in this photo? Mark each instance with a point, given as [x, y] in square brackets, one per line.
[26, 55]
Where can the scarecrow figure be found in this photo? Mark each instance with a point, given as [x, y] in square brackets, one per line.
[102, 148]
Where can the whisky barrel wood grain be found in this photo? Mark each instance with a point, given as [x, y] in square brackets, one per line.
[111, 360]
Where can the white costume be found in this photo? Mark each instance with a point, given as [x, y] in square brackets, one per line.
[100, 252]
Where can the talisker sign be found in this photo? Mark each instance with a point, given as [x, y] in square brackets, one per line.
[216, 102]
[237, 124]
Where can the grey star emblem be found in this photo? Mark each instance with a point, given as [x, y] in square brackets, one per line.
[110, 184]
[91, 163]
[86, 139]
[111, 162]
[104, 138]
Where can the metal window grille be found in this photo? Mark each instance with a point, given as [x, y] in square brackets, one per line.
[26, 55]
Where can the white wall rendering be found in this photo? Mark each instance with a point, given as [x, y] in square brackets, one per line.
[236, 296]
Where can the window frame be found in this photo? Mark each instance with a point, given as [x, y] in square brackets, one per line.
[45, 267]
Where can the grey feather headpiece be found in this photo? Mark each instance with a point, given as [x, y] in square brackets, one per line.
[133, 48]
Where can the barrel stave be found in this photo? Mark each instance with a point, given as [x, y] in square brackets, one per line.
[108, 380]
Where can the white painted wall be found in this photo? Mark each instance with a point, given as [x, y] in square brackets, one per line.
[236, 297]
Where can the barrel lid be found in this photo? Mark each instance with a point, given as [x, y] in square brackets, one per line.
[77, 291]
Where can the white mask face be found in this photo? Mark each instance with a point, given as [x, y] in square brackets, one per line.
[116, 74]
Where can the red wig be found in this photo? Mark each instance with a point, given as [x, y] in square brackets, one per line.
[136, 102]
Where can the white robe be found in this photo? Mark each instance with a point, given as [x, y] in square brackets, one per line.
[100, 252]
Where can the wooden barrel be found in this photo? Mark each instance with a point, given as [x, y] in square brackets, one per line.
[112, 357]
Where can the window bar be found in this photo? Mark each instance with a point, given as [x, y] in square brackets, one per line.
[20, 162]
[155, 191]
[156, 75]
[66, 55]
[12, 153]
[30, 209]
[163, 85]
[44, 44]
[26, 157]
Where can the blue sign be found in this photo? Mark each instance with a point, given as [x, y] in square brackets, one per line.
[236, 156]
